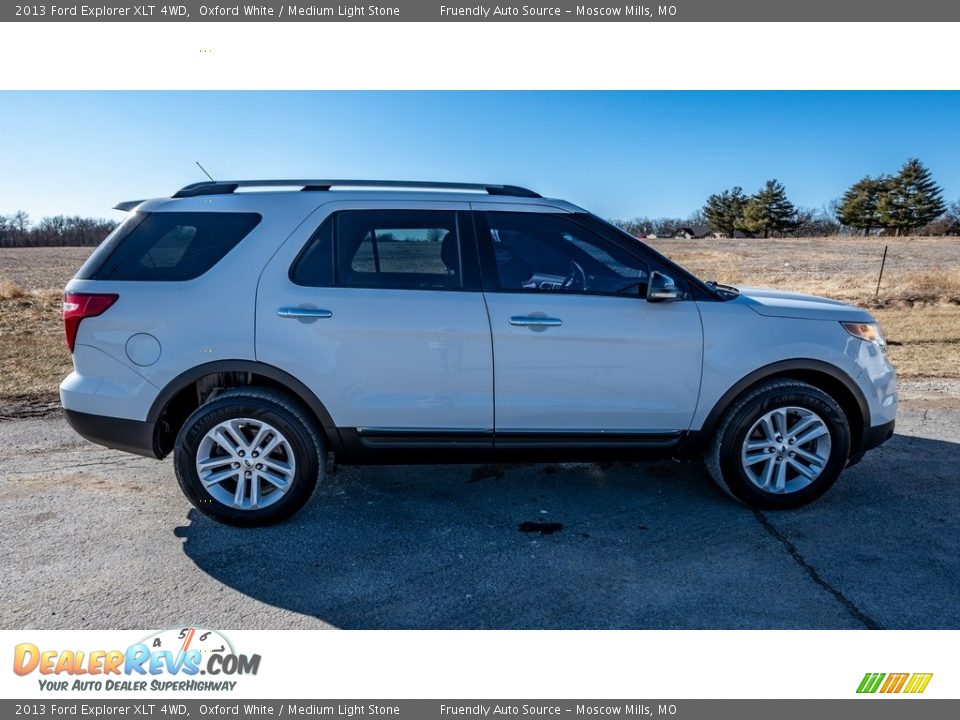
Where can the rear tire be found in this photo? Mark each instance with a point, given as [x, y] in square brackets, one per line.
[249, 457]
[781, 445]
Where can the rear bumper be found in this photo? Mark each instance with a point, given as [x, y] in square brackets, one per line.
[132, 436]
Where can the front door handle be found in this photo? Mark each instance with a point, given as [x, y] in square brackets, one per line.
[300, 312]
[535, 321]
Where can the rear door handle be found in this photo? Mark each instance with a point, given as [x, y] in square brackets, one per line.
[535, 321]
[299, 312]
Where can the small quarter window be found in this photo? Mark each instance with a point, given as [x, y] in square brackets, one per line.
[314, 266]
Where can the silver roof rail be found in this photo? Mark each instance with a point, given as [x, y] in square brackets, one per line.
[222, 187]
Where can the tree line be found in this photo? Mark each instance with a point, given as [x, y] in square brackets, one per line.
[907, 202]
[16, 230]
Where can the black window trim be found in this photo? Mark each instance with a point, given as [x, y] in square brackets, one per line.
[491, 278]
[470, 274]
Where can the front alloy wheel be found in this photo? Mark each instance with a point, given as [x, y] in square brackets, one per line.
[786, 449]
[781, 445]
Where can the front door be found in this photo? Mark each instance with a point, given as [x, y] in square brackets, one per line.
[578, 350]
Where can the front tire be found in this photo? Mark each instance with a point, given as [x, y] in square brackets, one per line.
[782, 445]
[249, 457]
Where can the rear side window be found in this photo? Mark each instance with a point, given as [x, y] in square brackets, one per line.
[168, 245]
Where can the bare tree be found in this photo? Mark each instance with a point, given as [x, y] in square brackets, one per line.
[53, 231]
[20, 223]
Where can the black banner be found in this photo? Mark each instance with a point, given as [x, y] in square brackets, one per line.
[460, 11]
[853, 709]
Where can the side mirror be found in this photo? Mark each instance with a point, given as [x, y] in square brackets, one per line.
[662, 289]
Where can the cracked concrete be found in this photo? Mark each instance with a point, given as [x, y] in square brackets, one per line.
[855, 612]
[97, 539]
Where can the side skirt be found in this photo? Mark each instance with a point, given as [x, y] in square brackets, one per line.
[379, 446]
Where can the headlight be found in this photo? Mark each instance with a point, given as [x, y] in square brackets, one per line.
[866, 331]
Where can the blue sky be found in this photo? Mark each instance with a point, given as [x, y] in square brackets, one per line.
[620, 154]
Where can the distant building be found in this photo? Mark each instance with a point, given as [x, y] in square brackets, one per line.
[699, 231]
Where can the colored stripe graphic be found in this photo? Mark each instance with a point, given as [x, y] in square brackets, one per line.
[870, 682]
[894, 683]
[918, 683]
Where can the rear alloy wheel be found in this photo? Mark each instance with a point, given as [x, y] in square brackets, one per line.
[782, 445]
[249, 456]
[246, 464]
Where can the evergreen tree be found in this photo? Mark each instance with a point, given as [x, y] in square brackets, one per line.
[911, 199]
[858, 207]
[724, 211]
[769, 210]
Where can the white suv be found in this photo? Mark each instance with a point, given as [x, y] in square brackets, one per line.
[251, 327]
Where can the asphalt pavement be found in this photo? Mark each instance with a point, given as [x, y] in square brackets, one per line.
[95, 538]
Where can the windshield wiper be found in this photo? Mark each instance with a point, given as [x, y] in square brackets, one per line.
[720, 287]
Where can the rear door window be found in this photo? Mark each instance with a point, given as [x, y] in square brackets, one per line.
[391, 249]
[167, 246]
[398, 249]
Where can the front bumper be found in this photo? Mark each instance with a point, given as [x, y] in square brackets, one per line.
[132, 436]
[872, 437]
[876, 436]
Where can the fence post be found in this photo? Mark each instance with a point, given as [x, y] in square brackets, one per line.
[882, 263]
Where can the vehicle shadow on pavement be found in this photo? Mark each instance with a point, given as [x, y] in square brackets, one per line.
[605, 546]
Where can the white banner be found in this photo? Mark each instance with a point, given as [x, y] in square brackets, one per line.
[198, 662]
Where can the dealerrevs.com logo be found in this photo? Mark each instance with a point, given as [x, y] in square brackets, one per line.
[911, 683]
[166, 660]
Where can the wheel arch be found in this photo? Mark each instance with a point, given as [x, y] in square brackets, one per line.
[829, 378]
[188, 390]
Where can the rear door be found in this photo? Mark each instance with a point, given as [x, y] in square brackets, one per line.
[578, 350]
[379, 312]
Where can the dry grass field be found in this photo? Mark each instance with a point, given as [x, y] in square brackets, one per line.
[918, 304]
[918, 270]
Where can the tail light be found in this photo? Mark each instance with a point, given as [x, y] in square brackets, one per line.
[77, 306]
